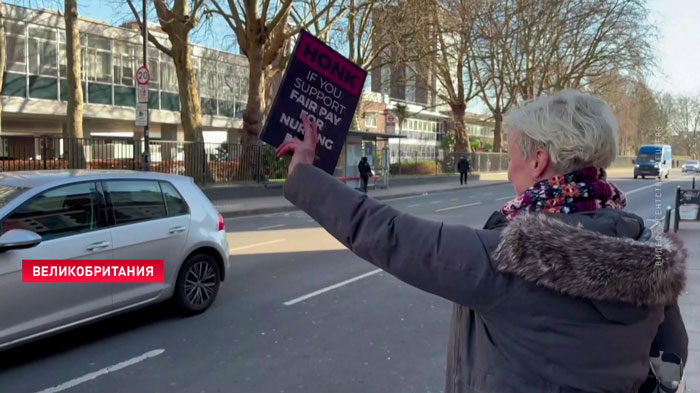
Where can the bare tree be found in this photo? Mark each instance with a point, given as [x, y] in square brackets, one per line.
[497, 68]
[371, 35]
[685, 124]
[261, 27]
[178, 19]
[618, 92]
[570, 43]
[651, 122]
[442, 49]
[74, 126]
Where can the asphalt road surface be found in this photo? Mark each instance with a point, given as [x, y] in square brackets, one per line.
[298, 313]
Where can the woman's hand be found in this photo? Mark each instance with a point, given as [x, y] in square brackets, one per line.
[303, 152]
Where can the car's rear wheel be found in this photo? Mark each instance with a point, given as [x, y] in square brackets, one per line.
[635, 176]
[197, 284]
[642, 176]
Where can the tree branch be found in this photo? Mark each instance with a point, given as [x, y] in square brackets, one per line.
[151, 37]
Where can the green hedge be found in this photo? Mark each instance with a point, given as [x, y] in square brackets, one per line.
[416, 168]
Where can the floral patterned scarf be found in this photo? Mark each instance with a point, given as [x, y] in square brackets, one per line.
[578, 191]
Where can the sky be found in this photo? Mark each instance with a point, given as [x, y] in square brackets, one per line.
[677, 46]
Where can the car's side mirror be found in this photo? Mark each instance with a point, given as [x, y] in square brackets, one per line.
[16, 239]
[664, 163]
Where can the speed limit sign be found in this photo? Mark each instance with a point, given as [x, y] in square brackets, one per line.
[142, 75]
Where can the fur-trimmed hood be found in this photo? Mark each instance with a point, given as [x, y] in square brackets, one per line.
[580, 262]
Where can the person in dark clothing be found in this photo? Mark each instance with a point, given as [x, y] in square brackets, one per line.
[561, 291]
[463, 168]
[365, 172]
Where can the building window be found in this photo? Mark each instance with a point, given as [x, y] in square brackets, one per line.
[99, 66]
[371, 119]
[43, 55]
[124, 63]
[168, 77]
[14, 46]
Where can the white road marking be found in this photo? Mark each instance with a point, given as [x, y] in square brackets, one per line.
[256, 245]
[270, 227]
[504, 198]
[415, 205]
[488, 193]
[639, 189]
[310, 220]
[106, 370]
[270, 215]
[404, 198]
[436, 202]
[454, 199]
[457, 207]
[330, 288]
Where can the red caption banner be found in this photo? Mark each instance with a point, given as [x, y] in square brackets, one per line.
[93, 270]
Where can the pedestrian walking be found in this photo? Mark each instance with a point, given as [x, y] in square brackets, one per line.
[463, 168]
[365, 172]
[561, 291]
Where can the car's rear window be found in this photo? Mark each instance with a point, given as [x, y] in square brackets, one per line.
[692, 162]
[8, 193]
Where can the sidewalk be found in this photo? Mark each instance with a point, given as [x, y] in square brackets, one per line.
[689, 233]
[238, 207]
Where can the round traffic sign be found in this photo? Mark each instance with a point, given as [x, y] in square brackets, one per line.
[390, 119]
[142, 75]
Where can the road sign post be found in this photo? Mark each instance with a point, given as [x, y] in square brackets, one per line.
[143, 76]
[390, 123]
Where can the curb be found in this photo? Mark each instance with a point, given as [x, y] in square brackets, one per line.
[285, 209]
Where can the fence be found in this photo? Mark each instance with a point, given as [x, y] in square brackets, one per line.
[445, 163]
[205, 162]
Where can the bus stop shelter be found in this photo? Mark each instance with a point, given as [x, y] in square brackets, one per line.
[374, 146]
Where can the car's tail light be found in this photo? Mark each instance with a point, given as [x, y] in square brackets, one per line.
[222, 226]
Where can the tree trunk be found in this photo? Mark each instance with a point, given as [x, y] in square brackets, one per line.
[190, 106]
[74, 113]
[196, 163]
[252, 118]
[497, 132]
[461, 138]
[3, 57]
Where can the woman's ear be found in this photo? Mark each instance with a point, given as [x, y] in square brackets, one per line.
[541, 163]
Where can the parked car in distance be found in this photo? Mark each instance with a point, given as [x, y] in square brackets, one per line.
[691, 165]
[75, 215]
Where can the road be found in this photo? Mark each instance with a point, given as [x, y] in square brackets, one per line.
[298, 313]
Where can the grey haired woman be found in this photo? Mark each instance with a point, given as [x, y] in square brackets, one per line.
[561, 291]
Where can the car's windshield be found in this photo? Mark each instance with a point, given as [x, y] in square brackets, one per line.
[691, 162]
[8, 193]
[645, 157]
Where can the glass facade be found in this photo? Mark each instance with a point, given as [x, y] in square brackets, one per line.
[37, 69]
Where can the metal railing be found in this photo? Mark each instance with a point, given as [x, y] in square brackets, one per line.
[205, 162]
[209, 163]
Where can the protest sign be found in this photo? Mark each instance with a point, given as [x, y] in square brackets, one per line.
[322, 84]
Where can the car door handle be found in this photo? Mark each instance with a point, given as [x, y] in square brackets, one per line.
[174, 230]
[97, 246]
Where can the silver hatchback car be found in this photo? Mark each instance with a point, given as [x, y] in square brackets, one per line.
[104, 215]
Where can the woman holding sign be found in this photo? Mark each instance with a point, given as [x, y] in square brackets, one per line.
[562, 291]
